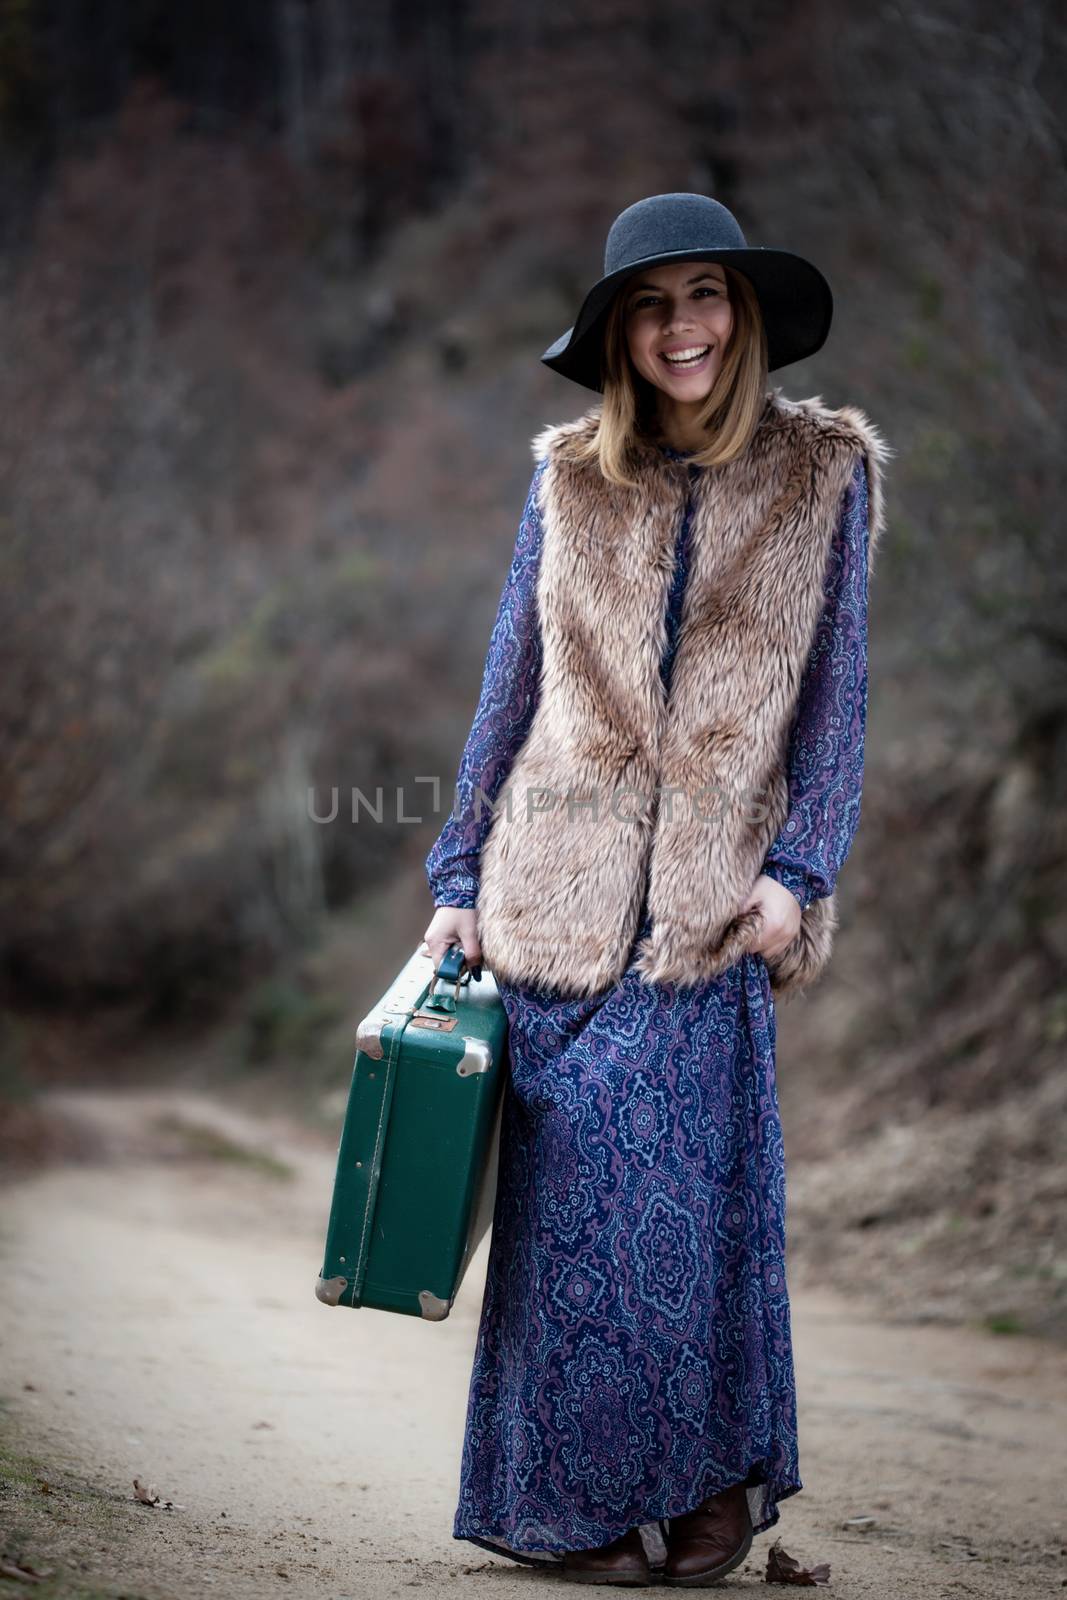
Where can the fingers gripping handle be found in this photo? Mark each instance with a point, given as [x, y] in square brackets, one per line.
[452, 968]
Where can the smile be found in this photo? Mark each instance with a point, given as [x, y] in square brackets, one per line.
[689, 360]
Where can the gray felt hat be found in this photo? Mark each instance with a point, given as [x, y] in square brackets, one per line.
[795, 299]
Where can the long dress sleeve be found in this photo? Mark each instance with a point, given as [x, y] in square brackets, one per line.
[509, 696]
[825, 767]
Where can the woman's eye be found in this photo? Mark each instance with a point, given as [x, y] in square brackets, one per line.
[650, 299]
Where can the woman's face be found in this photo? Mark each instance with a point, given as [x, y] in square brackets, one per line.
[677, 310]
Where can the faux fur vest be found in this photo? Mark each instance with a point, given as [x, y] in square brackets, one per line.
[618, 785]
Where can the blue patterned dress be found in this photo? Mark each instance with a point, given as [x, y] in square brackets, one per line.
[634, 1352]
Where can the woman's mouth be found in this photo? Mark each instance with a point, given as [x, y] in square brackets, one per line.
[691, 359]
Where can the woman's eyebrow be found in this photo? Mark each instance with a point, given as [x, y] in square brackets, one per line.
[698, 279]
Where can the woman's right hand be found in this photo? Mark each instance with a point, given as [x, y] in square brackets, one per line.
[453, 925]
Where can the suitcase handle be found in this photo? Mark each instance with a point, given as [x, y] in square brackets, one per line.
[453, 968]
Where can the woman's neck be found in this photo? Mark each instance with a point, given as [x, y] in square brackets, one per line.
[679, 428]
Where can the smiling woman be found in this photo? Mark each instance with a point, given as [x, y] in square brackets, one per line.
[680, 325]
[686, 611]
[709, 406]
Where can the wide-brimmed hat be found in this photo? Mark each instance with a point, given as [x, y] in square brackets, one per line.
[795, 299]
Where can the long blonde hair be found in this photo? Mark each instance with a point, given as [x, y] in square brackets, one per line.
[732, 409]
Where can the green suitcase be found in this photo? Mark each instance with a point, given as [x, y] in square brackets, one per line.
[416, 1162]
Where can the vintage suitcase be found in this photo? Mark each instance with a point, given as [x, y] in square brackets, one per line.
[416, 1163]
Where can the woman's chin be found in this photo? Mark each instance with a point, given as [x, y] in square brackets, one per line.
[691, 388]
[691, 391]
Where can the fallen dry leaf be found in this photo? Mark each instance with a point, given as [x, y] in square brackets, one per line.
[781, 1568]
[149, 1496]
[19, 1570]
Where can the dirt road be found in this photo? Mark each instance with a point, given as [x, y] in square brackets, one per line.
[159, 1321]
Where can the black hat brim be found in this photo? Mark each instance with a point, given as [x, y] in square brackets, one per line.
[795, 300]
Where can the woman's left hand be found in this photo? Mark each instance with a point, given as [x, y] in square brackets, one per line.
[781, 916]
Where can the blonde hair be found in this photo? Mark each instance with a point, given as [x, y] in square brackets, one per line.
[731, 412]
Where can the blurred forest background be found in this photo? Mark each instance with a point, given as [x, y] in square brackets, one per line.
[274, 282]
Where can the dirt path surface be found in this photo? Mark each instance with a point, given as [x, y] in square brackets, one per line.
[159, 1322]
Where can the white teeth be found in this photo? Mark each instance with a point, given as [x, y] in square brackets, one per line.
[689, 357]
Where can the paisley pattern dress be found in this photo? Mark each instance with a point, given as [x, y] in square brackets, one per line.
[634, 1352]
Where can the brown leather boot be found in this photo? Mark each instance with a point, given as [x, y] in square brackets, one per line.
[705, 1544]
[622, 1561]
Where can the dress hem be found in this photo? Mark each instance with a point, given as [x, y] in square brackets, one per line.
[541, 1556]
